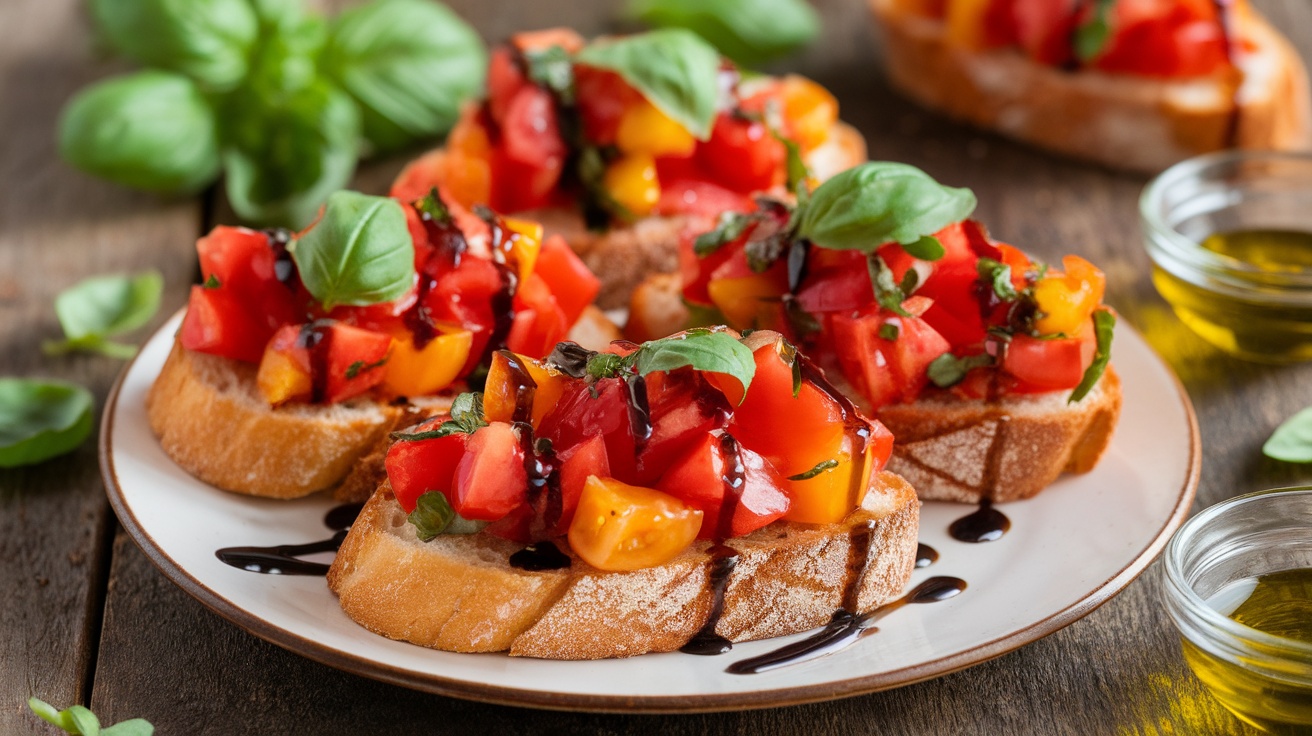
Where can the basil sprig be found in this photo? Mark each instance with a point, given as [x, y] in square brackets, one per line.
[466, 418]
[269, 93]
[102, 307]
[1292, 440]
[1092, 35]
[80, 721]
[948, 370]
[1103, 323]
[998, 276]
[673, 68]
[433, 516]
[41, 419]
[702, 350]
[880, 202]
[748, 31]
[359, 253]
[819, 468]
[729, 227]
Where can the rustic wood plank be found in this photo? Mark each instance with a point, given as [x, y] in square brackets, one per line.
[164, 657]
[56, 227]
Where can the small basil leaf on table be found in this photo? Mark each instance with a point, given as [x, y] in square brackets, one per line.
[409, 63]
[715, 352]
[80, 721]
[748, 31]
[208, 40]
[150, 130]
[880, 202]
[287, 151]
[1292, 440]
[41, 419]
[104, 306]
[133, 727]
[359, 253]
[673, 68]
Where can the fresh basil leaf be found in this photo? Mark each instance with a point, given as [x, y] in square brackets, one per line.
[432, 515]
[355, 369]
[133, 727]
[360, 252]
[103, 306]
[998, 276]
[605, 365]
[208, 40]
[673, 68]
[728, 228]
[1103, 323]
[1092, 35]
[50, 714]
[149, 130]
[948, 370]
[819, 468]
[715, 352]
[798, 171]
[80, 721]
[552, 68]
[889, 331]
[1292, 440]
[878, 202]
[433, 206]
[84, 721]
[41, 419]
[409, 63]
[928, 248]
[748, 31]
[887, 291]
[287, 151]
[466, 418]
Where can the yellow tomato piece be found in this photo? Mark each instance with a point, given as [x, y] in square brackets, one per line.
[645, 129]
[467, 168]
[501, 391]
[830, 496]
[810, 110]
[739, 299]
[525, 244]
[965, 23]
[623, 527]
[631, 181]
[422, 371]
[1067, 300]
[281, 379]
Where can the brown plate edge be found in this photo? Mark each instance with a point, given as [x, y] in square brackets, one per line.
[645, 704]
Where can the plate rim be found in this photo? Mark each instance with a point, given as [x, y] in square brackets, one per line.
[580, 702]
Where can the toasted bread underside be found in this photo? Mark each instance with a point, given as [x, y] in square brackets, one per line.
[458, 593]
[212, 420]
[1120, 121]
[970, 451]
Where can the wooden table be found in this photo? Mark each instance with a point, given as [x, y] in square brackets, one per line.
[85, 618]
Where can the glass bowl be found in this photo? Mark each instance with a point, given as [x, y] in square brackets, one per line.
[1209, 567]
[1252, 309]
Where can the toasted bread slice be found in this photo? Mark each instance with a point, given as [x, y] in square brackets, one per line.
[1117, 120]
[212, 420]
[458, 592]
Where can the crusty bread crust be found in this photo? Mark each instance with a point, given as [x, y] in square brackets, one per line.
[952, 449]
[459, 594]
[1119, 121]
[212, 420]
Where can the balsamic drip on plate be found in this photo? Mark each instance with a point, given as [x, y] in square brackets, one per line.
[845, 629]
[723, 557]
[538, 557]
[284, 559]
[925, 555]
[985, 524]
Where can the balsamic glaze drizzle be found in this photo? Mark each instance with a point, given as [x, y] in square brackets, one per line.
[284, 559]
[639, 409]
[925, 555]
[845, 629]
[538, 557]
[705, 642]
[985, 524]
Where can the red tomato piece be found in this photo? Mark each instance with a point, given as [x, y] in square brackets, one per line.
[703, 479]
[743, 154]
[1172, 43]
[539, 322]
[490, 480]
[1044, 29]
[419, 466]
[578, 417]
[683, 408]
[886, 370]
[355, 362]
[1048, 365]
[571, 282]
[464, 296]
[602, 98]
[835, 289]
[504, 80]
[217, 324]
[584, 459]
[686, 196]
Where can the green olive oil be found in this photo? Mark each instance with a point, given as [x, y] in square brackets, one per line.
[1251, 328]
[1279, 604]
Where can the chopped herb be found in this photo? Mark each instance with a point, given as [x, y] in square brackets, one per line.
[888, 331]
[552, 68]
[794, 359]
[1103, 323]
[433, 206]
[466, 418]
[728, 228]
[360, 366]
[803, 323]
[212, 282]
[433, 515]
[798, 173]
[928, 248]
[762, 254]
[819, 468]
[999, 276]
[605, 365]
[948, 370]
[910, 280]
[887, 292]
[1091, 36]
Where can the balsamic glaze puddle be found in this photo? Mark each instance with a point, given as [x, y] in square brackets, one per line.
[925, 555]
[284, 559]
[845, 629]
[539, 556]
[985, 524]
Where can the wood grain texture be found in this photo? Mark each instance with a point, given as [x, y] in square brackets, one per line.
[163, 656]
[58, 226]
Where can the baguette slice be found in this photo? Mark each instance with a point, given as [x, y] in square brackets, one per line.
[458, 593]
[212, 420]
[623, 256]
[1120, 121]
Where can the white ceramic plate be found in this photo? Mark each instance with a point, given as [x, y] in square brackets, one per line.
[1069, 550]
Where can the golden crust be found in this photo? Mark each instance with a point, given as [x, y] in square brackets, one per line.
[457, 593]
[1116, 120]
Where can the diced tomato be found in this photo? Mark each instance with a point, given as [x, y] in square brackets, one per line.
[623, 527]
[505, 384]
[579, 416]
[464, 295]
[836, 289]
[1048, 364]
[416, 467]
[752, 489]
[490, 480]
[539, 321]
[743, 154]
[531, 156]
[830, 495]
[602, 98]
[241, 266]
[1044, 28]
[955, 312]
[683, 407]
[685, 196]
[217, 324]
[418, 177]
[356, 360]
[694, 270]
[516, 525]
[504, 80]
[584, 459]
[886, 370]
[1178, 39]
[571, 282]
